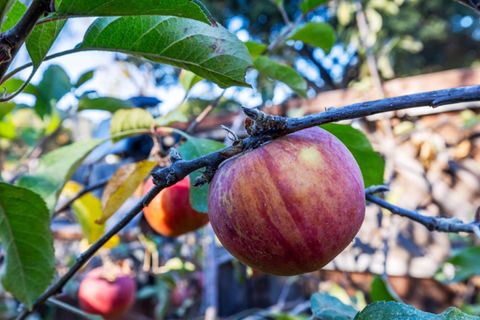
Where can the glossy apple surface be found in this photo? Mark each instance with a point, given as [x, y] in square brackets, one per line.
[290, 206]
[170, 213]
[109, 296]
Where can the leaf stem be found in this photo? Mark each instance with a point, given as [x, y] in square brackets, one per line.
[30, 64]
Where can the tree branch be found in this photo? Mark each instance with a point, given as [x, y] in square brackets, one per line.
[202, 115]
[263, 128]
[441, 224]
[12, 40]
[68, 203]
[474, 4]
[83, 258]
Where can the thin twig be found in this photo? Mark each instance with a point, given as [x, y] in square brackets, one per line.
[19, 90]
[440, 224]
[268, 128]
[364, 31]
[65, 306]
[283, 12]
[284, 34]
[205, 112]
[68, 203]
[30, 64]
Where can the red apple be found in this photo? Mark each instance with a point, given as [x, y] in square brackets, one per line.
[290, 206]
[170, 212]
[105, 294]
[180, 294]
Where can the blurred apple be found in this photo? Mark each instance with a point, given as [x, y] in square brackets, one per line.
[106, 294]
[170, 213]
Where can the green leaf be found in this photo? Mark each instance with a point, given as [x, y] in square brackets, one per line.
[122, 185]
[13, 15]
[84, 77]
[55, 168]
[380, 290]
[103, 103]
[278, 2]
[396, 310]
[25, 235]
[327, 307]
[13, 84]
[192, 9]
[466, 262]
[283, 73]
[255, 48]
[172, 117]
[309, 5]
[5, 6]
[7, 129]
[191, 149]
[188, 79]
[41, 40]
[317, 34]
[209, 51]
[370, 162]
[53, 86]
[6, 108]
[131, 120]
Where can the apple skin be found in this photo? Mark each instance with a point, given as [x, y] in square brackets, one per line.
[107, 297]
[290, 206]
[170, 213]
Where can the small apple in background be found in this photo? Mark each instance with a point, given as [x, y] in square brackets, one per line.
[170, 213]
[106, 293]
[181, 293]
[290, 206]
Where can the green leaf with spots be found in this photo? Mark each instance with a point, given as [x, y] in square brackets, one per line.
[317, 34]
[192, 9]
[25, 235]
[370, 162]
[283, 73]
[209, 51]
[55, 169]
[396, 310]
[191, 149]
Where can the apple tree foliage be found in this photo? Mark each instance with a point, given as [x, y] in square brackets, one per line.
[179, 33]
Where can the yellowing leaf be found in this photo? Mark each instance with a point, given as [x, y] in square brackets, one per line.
[87, 210]
[125, 121]
[122, 185]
